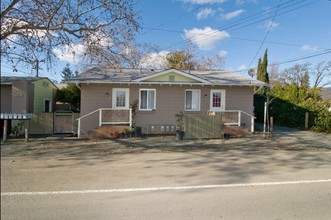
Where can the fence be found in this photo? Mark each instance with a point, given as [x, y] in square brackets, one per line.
[212, 124]
[50, 123]
[202, 126]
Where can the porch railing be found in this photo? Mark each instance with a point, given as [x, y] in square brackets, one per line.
[108, 116]
[233, 117]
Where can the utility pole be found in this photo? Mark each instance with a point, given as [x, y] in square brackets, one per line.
[37, 66]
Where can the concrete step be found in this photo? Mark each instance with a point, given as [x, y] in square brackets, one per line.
[106, 131]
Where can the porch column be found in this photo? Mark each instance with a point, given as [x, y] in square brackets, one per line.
[239, 118]
[78, 129]
[5, 128]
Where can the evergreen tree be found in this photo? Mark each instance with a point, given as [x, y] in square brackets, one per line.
[67, 73]
[262, 71]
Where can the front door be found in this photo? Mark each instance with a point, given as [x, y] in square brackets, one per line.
[217, 100]
[120, 98]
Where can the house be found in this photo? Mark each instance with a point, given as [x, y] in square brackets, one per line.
[27, 94]
[155, 96]
[21, 95]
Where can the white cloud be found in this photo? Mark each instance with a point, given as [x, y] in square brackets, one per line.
[99, 39]
[242, 67]
[223, 53]
[231, 15]
[271, 25]
[201, 2]
[155, 60]
[205, 38]
[70, 53]
[242, 2]
[205, 13]
[308, 47]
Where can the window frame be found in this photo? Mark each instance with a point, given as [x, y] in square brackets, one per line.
[49, 106]
[147, 109]
[223, 95]
[114, 98]
[199, 101]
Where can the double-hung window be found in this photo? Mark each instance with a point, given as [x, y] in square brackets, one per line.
[192, 100]
[147, 98]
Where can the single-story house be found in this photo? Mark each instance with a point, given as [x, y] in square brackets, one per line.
[157, 95]
[27, 94]
[21, 95]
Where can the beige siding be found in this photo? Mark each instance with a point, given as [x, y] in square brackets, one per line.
[169, 101]
[6, 98]
[93, 97]
[20, 97]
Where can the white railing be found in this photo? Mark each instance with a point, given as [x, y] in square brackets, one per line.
[238, 120]
[109, 116]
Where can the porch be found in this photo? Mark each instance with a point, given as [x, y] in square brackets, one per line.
[210, 125]
[105, 116]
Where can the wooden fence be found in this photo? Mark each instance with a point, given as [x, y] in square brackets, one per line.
[50, 123]
[203, 126]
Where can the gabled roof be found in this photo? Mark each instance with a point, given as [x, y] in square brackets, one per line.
[8, 80]
[171, 71]
[11, 79]
[143, 76]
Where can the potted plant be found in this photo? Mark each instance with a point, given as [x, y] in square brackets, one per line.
[127, 132]
[180, 125]
[137, 131]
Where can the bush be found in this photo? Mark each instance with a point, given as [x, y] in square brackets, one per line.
[290, 105]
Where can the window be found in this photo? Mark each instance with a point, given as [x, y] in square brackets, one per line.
[147, 99]
[47, 105]
[120, 98]
[217, 100]
[192, 100]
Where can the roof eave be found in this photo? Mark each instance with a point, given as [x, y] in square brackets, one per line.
[165, 83]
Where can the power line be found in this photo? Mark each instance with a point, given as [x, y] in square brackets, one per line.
[241, 23]
[265, 37]
[18, 70]
[174, 19]
[306, 57]
[327, 51]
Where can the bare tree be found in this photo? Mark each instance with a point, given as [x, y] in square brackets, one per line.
[210, 63]
[40, 26]
[274, 75]
[298, 74]
[133, 54]
[322, 74]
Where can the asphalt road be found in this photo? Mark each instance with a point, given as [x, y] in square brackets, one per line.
[297, 201]
[242, 179]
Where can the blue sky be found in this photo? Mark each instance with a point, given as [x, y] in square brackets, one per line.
[237, 30]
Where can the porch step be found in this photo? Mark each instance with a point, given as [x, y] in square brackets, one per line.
[106, 131]
[235, 131]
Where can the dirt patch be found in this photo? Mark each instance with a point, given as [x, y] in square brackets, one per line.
[73, 147]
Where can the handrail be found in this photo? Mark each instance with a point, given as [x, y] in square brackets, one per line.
[88, 114]
[248, 114]
[100, 118]
[239, 117]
